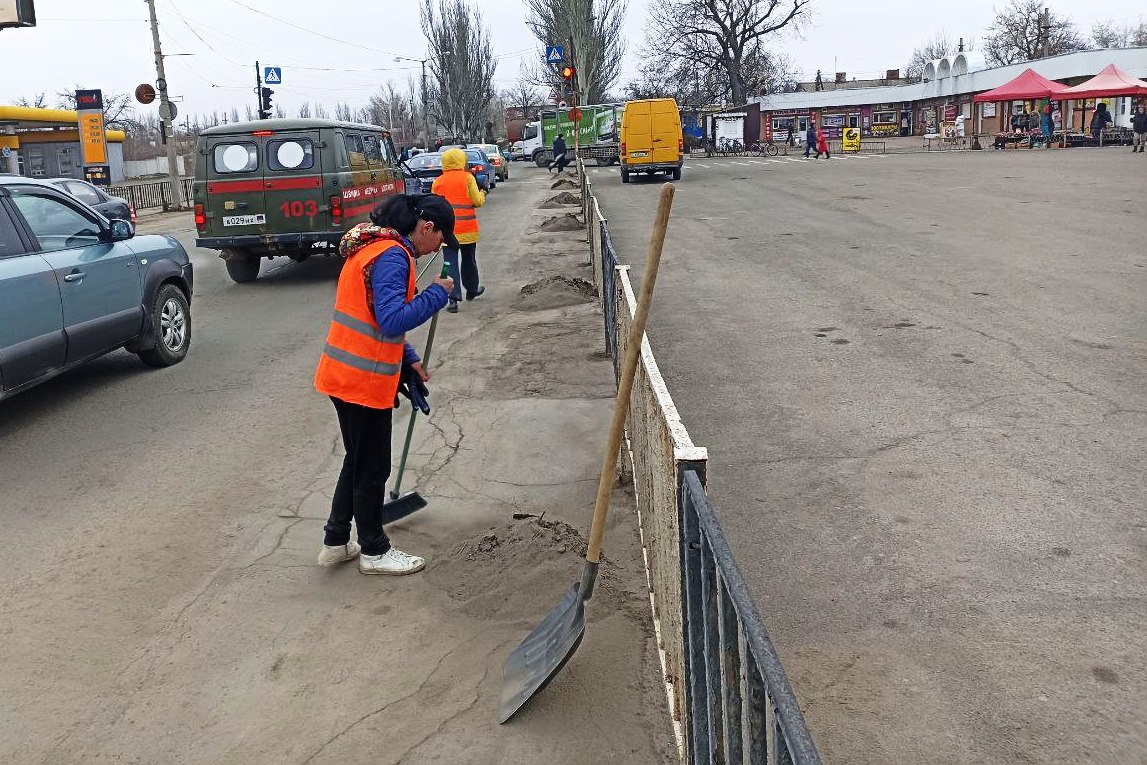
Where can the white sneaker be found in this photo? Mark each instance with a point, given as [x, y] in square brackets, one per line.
[332, 556]
[393, 562]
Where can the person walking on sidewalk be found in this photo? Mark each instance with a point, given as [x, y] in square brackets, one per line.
[559, 154]
[1139, 125]
[460, 189]
[365, 355]
[810, 139]
[821, 145]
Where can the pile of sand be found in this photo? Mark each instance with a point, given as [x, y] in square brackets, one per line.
[543, 554]
[555, 292]
[566, 222]
[561, 200]
[564, 183]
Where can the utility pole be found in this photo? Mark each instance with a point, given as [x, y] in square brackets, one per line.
[258, 91]
[1046, 31]
[166, 116]
[425, 105]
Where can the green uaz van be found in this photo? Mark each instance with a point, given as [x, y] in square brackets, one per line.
[288, 187]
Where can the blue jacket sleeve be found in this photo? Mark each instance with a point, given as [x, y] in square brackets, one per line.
[388, 279]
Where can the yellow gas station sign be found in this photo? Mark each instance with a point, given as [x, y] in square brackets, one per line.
[93, 146]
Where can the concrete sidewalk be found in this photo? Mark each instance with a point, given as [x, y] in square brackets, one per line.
[325, 665]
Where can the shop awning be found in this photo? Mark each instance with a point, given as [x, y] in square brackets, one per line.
[1112, 81]
[1028, 86]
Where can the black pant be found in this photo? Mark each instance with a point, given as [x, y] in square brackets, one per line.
[466, 273]
[560, 161]
[361, 488]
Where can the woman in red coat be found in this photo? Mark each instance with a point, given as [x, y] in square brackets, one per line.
[821, 144]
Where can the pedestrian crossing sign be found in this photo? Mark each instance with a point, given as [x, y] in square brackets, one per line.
[273, 75]
[555, 54]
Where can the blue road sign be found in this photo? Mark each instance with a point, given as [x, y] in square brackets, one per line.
[273, 75]
[555, 54]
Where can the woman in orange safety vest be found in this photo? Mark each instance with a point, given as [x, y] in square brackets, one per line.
[457, 184]
[366, 352]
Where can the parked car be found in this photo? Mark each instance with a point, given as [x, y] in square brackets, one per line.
[482, 168]
[112, 208]
[494, 154]
[75, 285]
[424, 168]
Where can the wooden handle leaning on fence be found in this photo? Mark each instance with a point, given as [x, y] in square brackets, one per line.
[628, 371]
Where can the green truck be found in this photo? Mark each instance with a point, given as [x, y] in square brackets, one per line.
[597, 134]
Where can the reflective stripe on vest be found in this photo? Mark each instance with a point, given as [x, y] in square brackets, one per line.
[454, 186]
[365, 328]
[360, 364]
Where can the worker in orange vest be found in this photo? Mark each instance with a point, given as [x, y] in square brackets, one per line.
[365, 356]
[457, 184]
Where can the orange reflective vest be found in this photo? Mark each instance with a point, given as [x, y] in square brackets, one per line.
[453, 184]
[360, 364]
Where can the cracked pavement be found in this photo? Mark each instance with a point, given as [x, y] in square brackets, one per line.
[160, 600]
[922, 382]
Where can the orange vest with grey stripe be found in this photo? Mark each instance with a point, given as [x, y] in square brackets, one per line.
[453, 184]
[361, 365]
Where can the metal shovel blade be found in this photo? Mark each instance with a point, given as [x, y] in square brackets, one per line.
[543, 653]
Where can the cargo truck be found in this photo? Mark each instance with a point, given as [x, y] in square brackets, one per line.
[597, 135]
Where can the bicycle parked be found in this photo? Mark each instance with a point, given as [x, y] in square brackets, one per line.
[760, 149]
[730, 147]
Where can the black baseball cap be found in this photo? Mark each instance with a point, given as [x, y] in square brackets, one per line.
[438, 211]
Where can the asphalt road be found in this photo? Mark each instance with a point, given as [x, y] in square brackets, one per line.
[922, 380]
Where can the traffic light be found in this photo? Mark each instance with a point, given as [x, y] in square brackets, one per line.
[265, 103]
[567, 73]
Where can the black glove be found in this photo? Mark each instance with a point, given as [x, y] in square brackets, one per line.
[410, 385]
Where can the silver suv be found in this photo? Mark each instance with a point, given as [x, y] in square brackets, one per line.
[75, 285]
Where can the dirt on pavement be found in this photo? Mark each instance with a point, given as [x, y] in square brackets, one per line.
[165, 606]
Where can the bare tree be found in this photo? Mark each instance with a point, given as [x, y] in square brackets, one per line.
[250, 114]
[667, 74]
[1019, 33]
[344, 113]
[38, 101]
[524, 95]
[462, 66]
[280, 112]
[726, 35]
[938, 46]
[1108, 34]
[594, 27]
[321, 111]
[234, 114]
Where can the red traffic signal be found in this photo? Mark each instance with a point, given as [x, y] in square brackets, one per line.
[567, 73]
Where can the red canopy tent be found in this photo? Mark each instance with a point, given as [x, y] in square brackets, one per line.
[1030, 85]
[1112, 81]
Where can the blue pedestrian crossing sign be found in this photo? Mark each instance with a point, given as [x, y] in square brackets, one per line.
[273, 75]
[555, 54]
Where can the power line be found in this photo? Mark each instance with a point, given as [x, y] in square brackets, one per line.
[313, 32]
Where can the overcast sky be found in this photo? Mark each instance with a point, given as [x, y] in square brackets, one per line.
[108, 44]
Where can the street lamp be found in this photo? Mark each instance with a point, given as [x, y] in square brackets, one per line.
[425, 96]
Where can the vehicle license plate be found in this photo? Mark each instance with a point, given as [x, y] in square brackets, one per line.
[244, 220]
[639, 154]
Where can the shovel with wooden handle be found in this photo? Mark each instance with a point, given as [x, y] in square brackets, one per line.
[543, 653]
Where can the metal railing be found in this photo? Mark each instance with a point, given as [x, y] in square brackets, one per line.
[741, 706]
[721, 668]
[152, 194]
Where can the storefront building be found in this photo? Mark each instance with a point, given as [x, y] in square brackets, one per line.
[946, 92]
